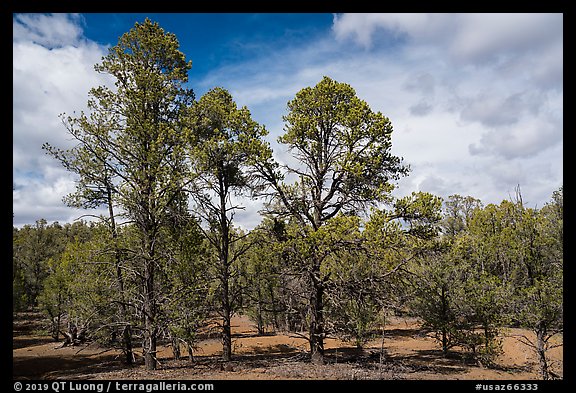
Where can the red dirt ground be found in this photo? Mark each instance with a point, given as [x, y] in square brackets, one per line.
[409, 354]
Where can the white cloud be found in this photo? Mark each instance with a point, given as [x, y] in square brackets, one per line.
[52, 73]
[526, 139]
[493, 110]
[363, 27]
[469, 120]
[485, 37]
[52, 30]
[470, 38]
[475, 99]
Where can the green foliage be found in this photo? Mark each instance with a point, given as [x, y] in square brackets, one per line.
[421, 213]
[355, 297]
[19, 296]
[346, 166]
[34, 247]
[437, 286]
[344, 148]
[55, 297]
[316, 262]
[485, 298]
[537, 300]
[224, 143]
[458, 212]
[187, 291]
[68, 288]
[131, 155]
[263, 271]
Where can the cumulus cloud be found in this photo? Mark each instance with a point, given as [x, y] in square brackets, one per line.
[453, 108]
[470, 38]
[483, 97]
[51, 31]
[526, 139]
[52, 73]
[486, 37]
[493, 110]
[363, 28]
[421, 82]
[476, 100]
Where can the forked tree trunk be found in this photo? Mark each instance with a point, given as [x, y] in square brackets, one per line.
[541, 351]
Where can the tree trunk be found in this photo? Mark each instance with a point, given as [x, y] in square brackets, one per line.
[259, 311]
[274, 310]
[317, 318]
[224, 260]
[445, 317]
[541, 351]
[226, 306]
[260, 321]
[175, 343]
[226, 341]
[226, 317]
[56, 328]
[127, 341]
[382, 355]
[190, 352]
[127, 332]
[444, 342]
[149, 346]
[149, 350]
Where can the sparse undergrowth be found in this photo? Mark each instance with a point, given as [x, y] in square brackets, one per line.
[409, 354]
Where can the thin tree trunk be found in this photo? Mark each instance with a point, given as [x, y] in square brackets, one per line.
[149, 346]
[316, 299]
[444, 300]
[190, 352]
[382, 346]
[224, 268]
[226, 317]
[541, 351]
[176, 347]
[444, 342]
[127, 332]
[57, 335]
[226, 340]
[259, 311]
[226, 308]
[317, 318]
[274, 311]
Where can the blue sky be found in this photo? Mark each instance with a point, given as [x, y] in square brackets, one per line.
[476, 100]
[214, 40]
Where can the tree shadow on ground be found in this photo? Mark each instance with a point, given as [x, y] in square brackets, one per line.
[30, 341]
[68, 367]
[245, 362]
[419, 361]
[253, 334]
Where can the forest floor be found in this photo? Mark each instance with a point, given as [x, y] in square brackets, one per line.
[409, 354]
